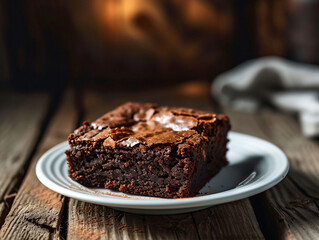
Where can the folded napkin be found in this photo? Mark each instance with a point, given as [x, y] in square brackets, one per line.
[270, 80]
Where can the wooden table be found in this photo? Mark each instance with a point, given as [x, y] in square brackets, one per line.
[31, 123]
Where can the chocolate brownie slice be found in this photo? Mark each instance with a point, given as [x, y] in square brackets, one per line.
[150, 150]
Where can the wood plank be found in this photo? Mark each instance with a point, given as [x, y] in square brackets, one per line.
[297, 199]
[89, 221]
[292, 206]
[36, 210]
[183, 226]
[21, 118]
[234, 220]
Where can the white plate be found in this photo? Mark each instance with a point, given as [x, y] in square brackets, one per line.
[254, 166]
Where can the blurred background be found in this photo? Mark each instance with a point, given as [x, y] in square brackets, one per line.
[142, 43]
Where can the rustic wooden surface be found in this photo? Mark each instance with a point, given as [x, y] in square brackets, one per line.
[28, 210]
[36, 210]
[21, 128]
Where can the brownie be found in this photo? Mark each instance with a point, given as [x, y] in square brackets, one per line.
[150, 150]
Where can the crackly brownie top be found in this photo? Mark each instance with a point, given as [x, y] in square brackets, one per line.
[147, 124]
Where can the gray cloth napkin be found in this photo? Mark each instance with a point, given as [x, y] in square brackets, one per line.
[270, 80]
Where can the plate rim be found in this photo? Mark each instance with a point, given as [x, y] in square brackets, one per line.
[162, 203]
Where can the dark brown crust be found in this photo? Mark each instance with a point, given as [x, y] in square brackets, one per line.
[171, 158]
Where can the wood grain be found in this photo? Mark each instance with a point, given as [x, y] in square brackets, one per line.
[89, 221]
[291, 206]
[234, 220]
[297, 198]
[228, 221]
[36, 210]
[21, 117]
